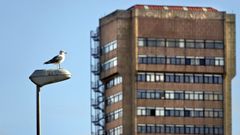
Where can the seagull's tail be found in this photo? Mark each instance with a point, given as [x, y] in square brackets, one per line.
[47, 62]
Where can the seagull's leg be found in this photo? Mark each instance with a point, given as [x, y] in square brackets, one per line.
[59, 66]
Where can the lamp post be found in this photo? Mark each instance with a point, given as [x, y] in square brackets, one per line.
[43, 77]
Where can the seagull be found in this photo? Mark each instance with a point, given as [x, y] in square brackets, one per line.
[57, 59]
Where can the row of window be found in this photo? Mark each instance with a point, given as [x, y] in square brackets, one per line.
[179, 78]
[181, 60]
[179, 95]
[109, 64]
[181, 43]
[180, 112]
[180, 129]
[109, 47]
[113, 82]
[114, 98]
[114, 115]
[115, 131]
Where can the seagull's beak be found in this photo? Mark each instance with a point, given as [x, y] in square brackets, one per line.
[65, 52]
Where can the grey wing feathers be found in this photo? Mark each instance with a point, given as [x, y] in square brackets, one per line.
[55, 59]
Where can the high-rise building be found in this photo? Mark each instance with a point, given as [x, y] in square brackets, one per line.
[162, 70]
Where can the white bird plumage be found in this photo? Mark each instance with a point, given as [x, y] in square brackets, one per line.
[57, 59]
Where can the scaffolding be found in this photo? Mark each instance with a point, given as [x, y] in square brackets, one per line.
[97, 87]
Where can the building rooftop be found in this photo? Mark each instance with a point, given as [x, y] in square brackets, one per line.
[179, 8]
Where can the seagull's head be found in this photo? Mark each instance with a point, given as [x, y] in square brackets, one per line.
[62, 52]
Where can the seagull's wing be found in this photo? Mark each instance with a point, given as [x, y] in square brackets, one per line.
[55, 59]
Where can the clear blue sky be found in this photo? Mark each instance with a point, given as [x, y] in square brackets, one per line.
[32, 31]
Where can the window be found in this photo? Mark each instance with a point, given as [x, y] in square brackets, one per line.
[114, 115]
[141, 128]
[198, 59]
[159, 77]
[188, 61]
[219, 44]
[160, 43]
[179, 78]
[150, 77]
[189, 78]
[197, 130]
[169, 94]
[178, 129]
[114, 98]
[198, 113]
[154, 60]
[189, 129]
[209, 44]
[169, 129]
[159, 111]
[109, 64]
[180, 43]
[168, 60]
[187, 113]
[218, 79]
[209, 61]
[109, 47]
[152, 112]
[208, 78]
[150, 94]
[160, 129]
[170, 43]
[115, 81]
[141, 111]
[172, 60]
[180, 60]
[219, 61]
[199, 44]
[198, 95]
[179, 112]
[178, 95]
[161, 60]
[151, 42]
[207, 112]
[115, 131]
[198, 78]
[189, 43]
[141, 42]
[169, 77]
[141, 77]
[142, 59]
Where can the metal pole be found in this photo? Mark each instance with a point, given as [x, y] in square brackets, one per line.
[38, 110]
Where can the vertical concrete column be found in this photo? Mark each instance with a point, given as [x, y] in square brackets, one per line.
[230, 69]
[134, 68]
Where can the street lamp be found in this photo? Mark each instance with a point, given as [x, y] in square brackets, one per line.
[43, 77]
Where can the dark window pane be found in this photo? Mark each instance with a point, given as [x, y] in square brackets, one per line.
[187, 113]
[172, 60]
[209, 44]
[189, 43]
[170, 43]
[188, 61]
[199, 44]
[161, 42]
[151, 42]
[202, 62]
[219, 45]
